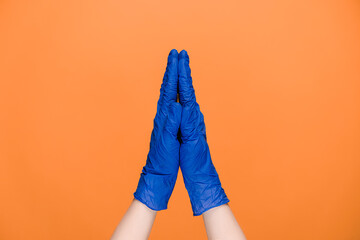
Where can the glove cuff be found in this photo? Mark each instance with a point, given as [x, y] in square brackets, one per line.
[155, 190]
[204, 198]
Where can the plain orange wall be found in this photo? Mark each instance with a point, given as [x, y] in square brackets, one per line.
[278, 83]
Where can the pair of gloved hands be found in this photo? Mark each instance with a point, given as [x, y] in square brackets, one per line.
[179, 139]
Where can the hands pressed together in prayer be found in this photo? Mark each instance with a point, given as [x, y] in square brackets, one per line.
[178, 140]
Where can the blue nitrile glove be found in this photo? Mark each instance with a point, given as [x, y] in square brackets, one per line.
[158, 176]
[200, 177]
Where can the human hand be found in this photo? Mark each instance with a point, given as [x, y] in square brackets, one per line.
[166, 153]
[200, 177]
[159, 175]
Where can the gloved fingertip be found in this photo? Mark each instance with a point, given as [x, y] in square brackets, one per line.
[170, 81]
[173, 60]
[184, 68]
[183, 54]
[173, 52]
[186, 89]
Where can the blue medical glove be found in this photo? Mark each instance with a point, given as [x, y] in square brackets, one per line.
[158, 176]
[200, 177]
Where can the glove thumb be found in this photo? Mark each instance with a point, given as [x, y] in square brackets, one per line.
[174, 117]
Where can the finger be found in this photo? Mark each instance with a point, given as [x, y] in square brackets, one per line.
[186, 89]
[168, 91]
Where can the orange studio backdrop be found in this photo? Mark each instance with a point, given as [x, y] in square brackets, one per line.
[278, 83]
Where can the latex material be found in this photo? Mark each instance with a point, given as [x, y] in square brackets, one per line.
[200, 177]
[158, 176]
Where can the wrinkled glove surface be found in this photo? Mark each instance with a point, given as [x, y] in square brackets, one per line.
[158, 176]
[200, 177]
